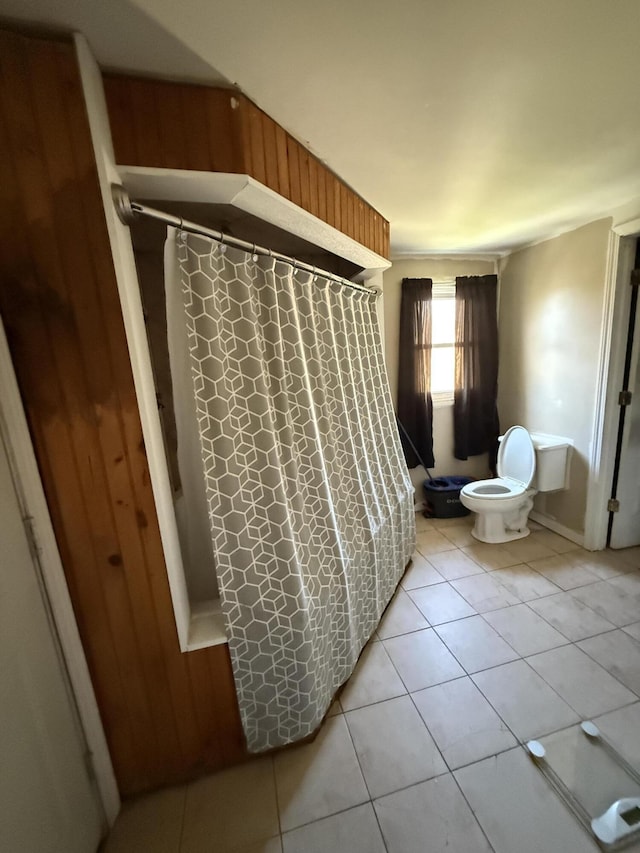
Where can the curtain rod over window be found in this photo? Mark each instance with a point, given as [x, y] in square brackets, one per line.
[129, 210]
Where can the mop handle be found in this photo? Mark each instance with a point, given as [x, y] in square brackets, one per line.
[413, 447]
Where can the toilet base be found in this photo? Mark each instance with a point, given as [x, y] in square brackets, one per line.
[489, 527]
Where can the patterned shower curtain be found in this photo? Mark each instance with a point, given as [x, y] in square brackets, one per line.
[310, 503]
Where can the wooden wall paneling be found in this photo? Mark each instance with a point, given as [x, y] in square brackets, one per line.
[145, 122]
[136, 518]
[283, 162]
[155, 131]
[224, 133]
[294, 171]
[330, 186]
[254, 141]
[322, 193]
[59, 362]
[64, 324]
[24, 321]
[108, 484]
[185, 699]
[270, 153]
[314, 201]
[120, 109]
[197, 154]
[173, 139]
[305, 186]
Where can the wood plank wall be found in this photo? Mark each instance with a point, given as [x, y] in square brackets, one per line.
[178, 126]
[167, 715]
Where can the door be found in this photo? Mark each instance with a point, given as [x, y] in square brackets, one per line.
[624, 523]
[47, 799]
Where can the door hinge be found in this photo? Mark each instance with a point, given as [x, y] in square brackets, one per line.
[613, 505]
[634, 281]
[624, 398]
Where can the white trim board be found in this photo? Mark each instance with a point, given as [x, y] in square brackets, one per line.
[560, 529]
[613, 343]
[14, 429]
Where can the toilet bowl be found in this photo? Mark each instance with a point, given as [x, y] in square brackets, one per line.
[502, 504]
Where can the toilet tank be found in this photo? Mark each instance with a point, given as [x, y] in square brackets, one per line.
[552, 462]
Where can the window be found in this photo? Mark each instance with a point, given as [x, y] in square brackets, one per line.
[443, 326]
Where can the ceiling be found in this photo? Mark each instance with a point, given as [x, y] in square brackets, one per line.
[472, 126]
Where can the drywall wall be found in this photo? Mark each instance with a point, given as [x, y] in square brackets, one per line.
[436, 269]
[551, 309]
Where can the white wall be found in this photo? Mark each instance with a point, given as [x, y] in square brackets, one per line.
[551, 310]
[436, 269]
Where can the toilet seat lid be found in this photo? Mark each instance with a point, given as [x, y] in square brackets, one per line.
[517, 456]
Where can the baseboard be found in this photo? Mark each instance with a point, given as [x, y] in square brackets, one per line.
[558, 528]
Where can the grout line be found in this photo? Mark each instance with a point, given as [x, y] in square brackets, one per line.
[364, 778]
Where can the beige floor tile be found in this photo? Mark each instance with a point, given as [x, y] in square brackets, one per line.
[633, 630]
[420, 573]
[152, 822]
[393, 745]
[441, 603]
[518, 809]
[484, 593]
[570, 616]
[619, 654]
[580, 681]
[463, 724]
[552, 540]
[422, 659]
[217, 807]
[524, 701]
[628, 583]
[491, 557]
[604, 564]
[432, 542]
[564, 572]
[401, 617]
[373, 680]
[353, 831]
[431, 816]
[524, 582]
[621, 729]
[530, 548]
[320, 778]
[461, 536]
[475, 644]
[455, 564]
[524, 630]
[609, 601]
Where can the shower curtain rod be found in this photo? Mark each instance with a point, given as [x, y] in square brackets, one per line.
[129, 210]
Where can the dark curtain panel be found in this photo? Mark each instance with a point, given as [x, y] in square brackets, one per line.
[475, 412]
[415, 407]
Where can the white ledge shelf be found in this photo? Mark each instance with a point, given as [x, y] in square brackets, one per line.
[244, 192]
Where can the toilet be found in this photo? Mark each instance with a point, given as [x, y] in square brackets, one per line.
[528, 463]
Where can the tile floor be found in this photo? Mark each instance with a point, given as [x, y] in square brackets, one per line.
[482, 648]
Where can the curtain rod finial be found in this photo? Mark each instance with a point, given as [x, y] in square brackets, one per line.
[122, 204]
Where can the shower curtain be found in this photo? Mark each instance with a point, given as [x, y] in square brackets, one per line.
[309, 500]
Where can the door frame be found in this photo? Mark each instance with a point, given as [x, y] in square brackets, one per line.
[14, 432]
[613, 344]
